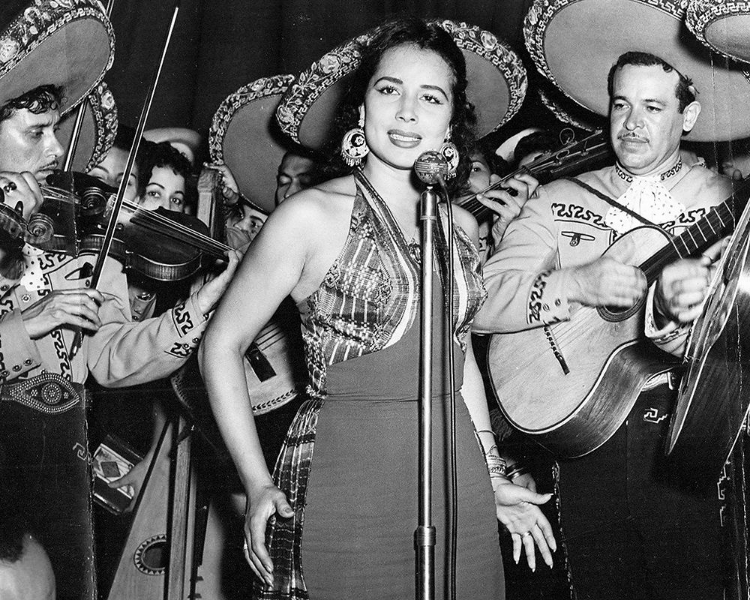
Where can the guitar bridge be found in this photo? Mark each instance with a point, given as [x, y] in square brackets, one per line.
[556, 349]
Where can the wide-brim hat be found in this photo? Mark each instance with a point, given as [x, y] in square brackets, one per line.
[98, 130]
[496, 84]
[568, 112]
[244, 135]
[722, 26]
[574, 43]
[507, 150]
[68, 43]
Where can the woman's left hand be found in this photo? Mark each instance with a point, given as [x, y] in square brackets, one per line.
[517, 509]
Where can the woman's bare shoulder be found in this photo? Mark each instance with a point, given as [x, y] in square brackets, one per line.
[466, 221]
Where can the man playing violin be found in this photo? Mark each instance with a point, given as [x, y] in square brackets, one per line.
[43, 304]
[619, 504]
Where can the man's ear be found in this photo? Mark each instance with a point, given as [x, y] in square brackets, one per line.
[690, 115]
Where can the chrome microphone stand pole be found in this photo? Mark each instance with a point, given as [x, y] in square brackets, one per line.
[428, 168]
[425, 534]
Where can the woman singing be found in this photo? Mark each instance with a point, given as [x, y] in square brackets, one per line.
[337, 519]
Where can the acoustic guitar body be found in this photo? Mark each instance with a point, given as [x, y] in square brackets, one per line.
[142, 569]
[275, 368]
[714, 396]
[572, 384]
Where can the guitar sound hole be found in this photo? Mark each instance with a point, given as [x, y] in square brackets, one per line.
[616, 314]
[151, 556]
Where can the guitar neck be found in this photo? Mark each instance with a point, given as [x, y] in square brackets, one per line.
[718, 222]
[566, 160]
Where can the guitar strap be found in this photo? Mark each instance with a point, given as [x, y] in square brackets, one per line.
[611, 201]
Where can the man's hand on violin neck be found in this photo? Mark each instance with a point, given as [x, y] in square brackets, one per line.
[73, 308]
[21, 192]
[210, 294]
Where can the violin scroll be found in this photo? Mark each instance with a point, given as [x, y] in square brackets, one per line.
[38, 230]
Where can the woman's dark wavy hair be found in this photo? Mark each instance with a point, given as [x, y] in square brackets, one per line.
[408, 31]
[164, 155]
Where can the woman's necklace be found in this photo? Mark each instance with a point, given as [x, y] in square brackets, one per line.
[412, 242]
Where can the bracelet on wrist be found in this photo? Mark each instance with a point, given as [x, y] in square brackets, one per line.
[516, 470]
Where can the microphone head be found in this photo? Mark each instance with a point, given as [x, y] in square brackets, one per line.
[431, 166]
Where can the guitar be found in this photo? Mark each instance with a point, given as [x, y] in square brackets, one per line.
[572, 384]
[275, 368]
[568, 158]
[713, 399]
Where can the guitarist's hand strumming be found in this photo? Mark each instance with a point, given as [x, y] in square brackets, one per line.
[606, 282]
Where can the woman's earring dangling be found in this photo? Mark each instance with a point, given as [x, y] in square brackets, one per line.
[450, 153]
[354, 145]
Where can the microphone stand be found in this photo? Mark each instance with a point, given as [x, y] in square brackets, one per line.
[425, 533]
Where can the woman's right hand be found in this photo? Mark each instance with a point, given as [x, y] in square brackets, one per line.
[517, 509]
[262, 504]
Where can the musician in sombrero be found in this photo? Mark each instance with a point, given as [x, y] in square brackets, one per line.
[630, 530]
[53, 54]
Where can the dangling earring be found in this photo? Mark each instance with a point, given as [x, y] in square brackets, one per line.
[354, 145]
[450, 153]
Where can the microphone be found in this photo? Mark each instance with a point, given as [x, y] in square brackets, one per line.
[431, 167]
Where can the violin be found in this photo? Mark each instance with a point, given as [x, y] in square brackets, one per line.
[163, 245]
[15, 230]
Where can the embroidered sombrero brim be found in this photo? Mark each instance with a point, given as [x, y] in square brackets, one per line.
[722, 26]
[244, 135]
[574, 43]
[98, 131]
[496, 84]
[66, 43]
[569, 112]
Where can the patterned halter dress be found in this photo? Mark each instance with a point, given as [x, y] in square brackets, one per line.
[349, 462]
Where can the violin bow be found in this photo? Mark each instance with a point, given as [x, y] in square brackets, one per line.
[78, 125]
[117, 206]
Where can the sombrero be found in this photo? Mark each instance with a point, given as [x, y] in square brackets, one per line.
[574, 43]
[244, 135]
[496, 84]
[68, 43]
[97, 132]
[722, 26]
[570, 113]
[507, 149]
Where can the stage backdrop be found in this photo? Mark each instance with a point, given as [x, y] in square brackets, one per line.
[220, 45]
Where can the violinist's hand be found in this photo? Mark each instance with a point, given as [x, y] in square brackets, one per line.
[213, 290]
[75, 308]
[517, 510]
[21, 192]
[229, 188]
[505, 204]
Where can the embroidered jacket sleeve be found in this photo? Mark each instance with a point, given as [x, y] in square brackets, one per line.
[18, 354]
[125, 352]
[121, 353]
[523, 281]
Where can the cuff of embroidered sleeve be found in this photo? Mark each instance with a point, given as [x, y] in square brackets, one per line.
[548, 302]
[187, 317]
[664, 334]
[20, 354]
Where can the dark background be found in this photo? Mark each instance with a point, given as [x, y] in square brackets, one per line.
[220, 45]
